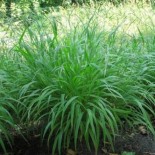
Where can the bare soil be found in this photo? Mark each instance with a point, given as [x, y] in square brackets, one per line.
[141, 144]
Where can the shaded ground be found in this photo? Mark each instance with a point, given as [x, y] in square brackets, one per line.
[141, 144]
[136, 142]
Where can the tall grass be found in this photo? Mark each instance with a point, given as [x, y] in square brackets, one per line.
[81, 83]
[8, 111]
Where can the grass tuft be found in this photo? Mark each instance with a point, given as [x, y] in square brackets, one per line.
[78, 78]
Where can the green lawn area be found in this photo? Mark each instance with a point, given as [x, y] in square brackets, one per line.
[77, 73]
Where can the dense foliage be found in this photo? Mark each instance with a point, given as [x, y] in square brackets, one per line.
[76, 77]
[49, 3]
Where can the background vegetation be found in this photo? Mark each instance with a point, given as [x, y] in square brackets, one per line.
[49, 3]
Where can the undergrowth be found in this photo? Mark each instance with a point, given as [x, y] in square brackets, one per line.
[81, 82]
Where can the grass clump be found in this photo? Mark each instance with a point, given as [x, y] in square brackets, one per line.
[80, 82]
[8, 110]
[69, 87]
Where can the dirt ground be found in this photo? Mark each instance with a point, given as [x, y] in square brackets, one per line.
[141, 144]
